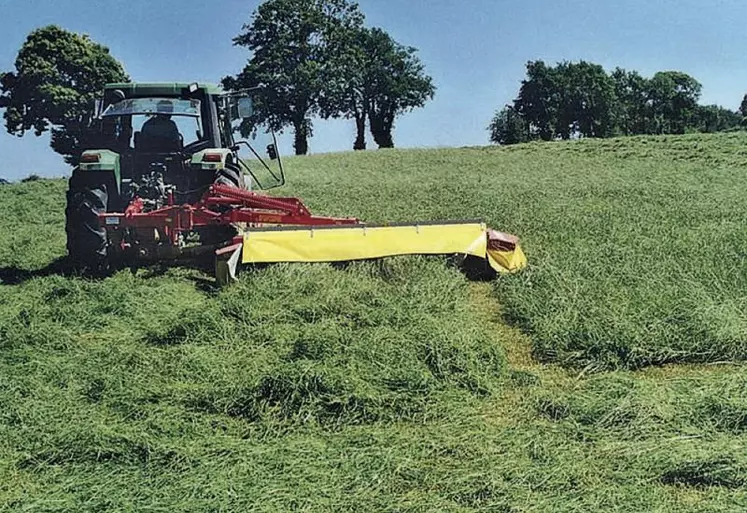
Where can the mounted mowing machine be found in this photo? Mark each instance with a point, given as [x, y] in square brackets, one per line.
[166, 183]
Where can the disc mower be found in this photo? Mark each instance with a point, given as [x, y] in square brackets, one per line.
[165, 181]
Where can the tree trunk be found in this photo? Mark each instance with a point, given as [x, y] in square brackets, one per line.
[381, 131]
[384, 139]
[301, 142]
[360, 127]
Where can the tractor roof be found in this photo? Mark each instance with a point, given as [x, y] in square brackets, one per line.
[161, 88]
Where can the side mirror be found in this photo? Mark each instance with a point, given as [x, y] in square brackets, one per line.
[272, 152]
[246, 107]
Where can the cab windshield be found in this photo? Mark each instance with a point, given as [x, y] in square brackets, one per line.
[153, 124]
[145, 106]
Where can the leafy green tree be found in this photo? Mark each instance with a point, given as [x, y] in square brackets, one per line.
[347, 90]
[295, 51]
[569, 99]
[508, 127]
[537, 102]
[375, 79]
[584, 99]
[743, 110]
[672, 101]
[714, 118]
[394, 83]
[57, 76]
[631, 96]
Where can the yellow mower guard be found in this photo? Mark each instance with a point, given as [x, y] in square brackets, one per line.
[347, 243]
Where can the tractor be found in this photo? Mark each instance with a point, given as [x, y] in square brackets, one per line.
[155, 144]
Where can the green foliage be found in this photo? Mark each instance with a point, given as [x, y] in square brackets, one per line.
[672, 97]
[294, 45]
[713, 118]
[395, 83]
[536, 102]
[585, 99]
[573, 100]
[376, 80]
[57, 75]
[508, 127]
[631, 93]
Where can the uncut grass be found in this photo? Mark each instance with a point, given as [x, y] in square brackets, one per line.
[636, 245]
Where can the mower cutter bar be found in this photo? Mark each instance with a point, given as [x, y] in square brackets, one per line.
[283, 230]
[501, 252]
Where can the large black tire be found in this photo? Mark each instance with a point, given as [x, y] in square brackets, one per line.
[217, 235]
[230, 175]
[86, 239]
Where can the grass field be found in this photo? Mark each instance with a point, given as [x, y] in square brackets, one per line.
[608, 377]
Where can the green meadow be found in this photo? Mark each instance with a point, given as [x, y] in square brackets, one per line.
[609, 376]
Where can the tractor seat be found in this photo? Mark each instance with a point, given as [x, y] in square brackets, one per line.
[159, 134]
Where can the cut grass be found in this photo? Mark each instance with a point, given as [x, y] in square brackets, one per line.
[397, 385]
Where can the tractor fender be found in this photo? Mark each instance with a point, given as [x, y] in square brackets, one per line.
[211, 159]
[101, 161]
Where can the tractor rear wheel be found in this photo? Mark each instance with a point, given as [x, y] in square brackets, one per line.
[86, 239]
[230, 175]
[217, 235]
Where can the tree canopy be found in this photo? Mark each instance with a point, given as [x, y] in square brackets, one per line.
[582, 100]
[294, 47]
[316, 58]
[395, 83]
[509, 127]
[57, 75]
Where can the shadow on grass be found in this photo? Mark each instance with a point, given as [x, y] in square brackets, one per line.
[16, 276]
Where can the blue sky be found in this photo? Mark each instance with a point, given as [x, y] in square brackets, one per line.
[474, 49]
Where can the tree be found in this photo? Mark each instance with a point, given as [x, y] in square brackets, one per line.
[672, 100]
[57, 76]
[631, 95]
[743, 110]
[584, 97]
[395, 83]
[508, 127]
[537, 101]
[570, 99]
[347, 89]
[714, 118]
[293, 45]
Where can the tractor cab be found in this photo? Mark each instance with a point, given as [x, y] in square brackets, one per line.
[183, 135]
[154, 125]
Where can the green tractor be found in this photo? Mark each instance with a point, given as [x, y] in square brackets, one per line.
[160, 144]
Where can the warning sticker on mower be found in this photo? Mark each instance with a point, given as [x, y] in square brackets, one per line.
[112, 221]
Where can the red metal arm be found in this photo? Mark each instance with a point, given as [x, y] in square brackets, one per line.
[221, 205]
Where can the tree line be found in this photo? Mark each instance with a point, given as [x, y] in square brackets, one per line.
[581, 99]
[312, 59]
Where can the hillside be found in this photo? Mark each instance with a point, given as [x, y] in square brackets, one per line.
[607, 377]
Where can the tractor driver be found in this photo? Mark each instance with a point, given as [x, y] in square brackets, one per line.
[160, 131]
